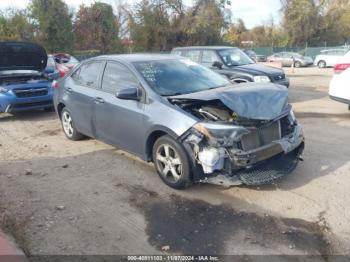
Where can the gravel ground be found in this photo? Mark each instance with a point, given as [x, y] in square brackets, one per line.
[64, 197]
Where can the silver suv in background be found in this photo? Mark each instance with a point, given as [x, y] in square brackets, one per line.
[288, 58]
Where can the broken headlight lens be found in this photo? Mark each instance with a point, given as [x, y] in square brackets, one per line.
[261, 79]
[292, 116]
[3, 90]
[218, 131]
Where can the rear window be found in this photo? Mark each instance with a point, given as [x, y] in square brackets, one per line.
[177, 52]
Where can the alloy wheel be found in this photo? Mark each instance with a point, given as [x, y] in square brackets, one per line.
[322, 64]
[67, 123]
[169, 163]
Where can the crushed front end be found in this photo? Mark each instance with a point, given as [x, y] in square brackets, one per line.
[228, 149]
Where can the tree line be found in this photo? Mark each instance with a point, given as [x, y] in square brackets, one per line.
[159, 25]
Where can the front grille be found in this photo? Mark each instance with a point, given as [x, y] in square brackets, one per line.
[272, 169]
[279, 77]
[31, 92]
[265, 135]
[33, 104]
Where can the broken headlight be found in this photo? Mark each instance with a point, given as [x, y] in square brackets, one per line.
[292, 116]
[3, 90]
[221, 132]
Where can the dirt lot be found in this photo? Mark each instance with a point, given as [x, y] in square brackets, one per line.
[63, 197]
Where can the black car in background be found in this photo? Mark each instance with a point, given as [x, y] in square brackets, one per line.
[253, 55]
[233, 63]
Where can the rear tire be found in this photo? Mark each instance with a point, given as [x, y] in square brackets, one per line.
[171, 162]
[297, 64]
[321, 64]
[68, 126]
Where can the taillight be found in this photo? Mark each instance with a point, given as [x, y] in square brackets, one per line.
[340, 68]
[55, 84]
[62, 72]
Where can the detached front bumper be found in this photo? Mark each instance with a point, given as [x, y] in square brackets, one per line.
[263, 165]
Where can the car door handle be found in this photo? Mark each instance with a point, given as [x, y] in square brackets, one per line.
[99, 100]
[69, 90]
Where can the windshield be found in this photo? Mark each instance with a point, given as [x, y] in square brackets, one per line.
[177, 77]
[73, 60]
[235, 57]
[296, 55]
[51, 62]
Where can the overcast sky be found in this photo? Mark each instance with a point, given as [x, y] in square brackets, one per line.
[253, 12]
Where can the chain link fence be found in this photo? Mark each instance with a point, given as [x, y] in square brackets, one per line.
[308, 51]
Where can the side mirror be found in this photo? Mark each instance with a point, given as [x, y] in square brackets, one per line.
[132, 93]
[217, 64]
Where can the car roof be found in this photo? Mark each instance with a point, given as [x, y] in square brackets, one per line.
[203, 47]
[130, 58]
[330, 50]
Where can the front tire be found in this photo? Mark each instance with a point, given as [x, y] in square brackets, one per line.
[321, 64]
[68, 126]
[172, 163]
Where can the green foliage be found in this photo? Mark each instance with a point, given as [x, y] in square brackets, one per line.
[96, 27]
[53, 24]
[160, 25]
[150, 27]
[336, 22]
[301, 20]
[235, 33]
[15, 25]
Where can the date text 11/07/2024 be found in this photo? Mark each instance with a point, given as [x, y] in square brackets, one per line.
[173, 258]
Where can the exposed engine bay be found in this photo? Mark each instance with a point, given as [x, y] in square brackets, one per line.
[216, 111]
[228, 147]
[22, 77]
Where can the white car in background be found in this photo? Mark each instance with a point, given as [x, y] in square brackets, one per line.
[329, 58]
[340, 85]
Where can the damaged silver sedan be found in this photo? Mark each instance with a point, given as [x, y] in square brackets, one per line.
[190, 121]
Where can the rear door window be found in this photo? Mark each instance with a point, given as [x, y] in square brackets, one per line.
[194, 55]
[177, 52]
[89, 74]
[116, 77]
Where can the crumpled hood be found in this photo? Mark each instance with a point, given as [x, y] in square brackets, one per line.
[22, 56]
[252, 100]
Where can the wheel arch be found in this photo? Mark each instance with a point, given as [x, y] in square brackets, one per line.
[59, 109]
[152, 137]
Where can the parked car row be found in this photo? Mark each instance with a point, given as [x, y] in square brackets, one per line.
[291, 59]
[233, 63]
